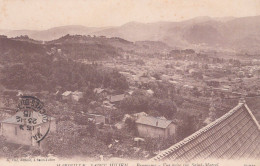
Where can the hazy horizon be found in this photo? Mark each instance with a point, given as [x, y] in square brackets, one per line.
[128, 22]
[42, 15]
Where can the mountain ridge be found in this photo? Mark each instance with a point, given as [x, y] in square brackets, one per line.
[227, 32]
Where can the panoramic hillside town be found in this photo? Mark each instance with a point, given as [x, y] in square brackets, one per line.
[122, 104]
[107, 82]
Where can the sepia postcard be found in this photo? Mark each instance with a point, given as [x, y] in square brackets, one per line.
[129, 82]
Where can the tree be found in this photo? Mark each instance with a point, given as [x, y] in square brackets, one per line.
[196, 92]
[106, 137]
[157, 76]
[131, 126]
[166, 107]
[186, 128]
[151, 145]
[134, 104]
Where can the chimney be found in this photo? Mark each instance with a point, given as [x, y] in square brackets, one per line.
[156, 123]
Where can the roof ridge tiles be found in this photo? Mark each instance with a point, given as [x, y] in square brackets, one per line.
[197, 133]
[252, 116]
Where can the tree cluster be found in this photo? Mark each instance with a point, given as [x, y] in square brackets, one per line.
[143, 103]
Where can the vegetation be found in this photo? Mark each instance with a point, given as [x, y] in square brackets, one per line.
[178, 90]
[139, 102]
[32, 69]
[186, 127]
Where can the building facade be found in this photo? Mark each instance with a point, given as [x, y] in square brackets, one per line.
[22, 131]
[152, 127]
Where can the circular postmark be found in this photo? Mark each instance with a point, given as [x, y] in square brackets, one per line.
[32, 118]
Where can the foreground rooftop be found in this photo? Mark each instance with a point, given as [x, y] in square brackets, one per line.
[235, 135]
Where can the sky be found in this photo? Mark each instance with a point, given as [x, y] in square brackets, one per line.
[44, 14]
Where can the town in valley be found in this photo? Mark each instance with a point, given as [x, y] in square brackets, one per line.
[112, 98]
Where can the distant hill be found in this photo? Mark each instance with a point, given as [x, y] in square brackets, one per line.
[28, 65]
[113, 45]
[234, 33]
[229, 32]
[79, 47]
[53, 33]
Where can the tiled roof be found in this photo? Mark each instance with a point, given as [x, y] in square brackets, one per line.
[235, 135]
[152, 121]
